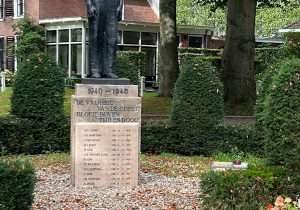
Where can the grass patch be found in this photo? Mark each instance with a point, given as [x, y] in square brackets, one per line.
[175, 165]
[5, 101]
[43, 161]
[67, 100]
[152, 103]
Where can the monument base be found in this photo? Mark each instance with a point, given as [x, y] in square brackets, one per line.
[105, 81]
[105, 135]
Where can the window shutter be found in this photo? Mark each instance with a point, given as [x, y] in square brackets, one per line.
[1, 9]
[1, 54]
[9, 8]
[10, 49]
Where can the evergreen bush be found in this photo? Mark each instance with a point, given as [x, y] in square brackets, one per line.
[15, 135]
[198, 106]
[17, 180]
[282, 119]
[38, 96]
[39, 89]
[131, 65]
[239, 190]
[155, 138]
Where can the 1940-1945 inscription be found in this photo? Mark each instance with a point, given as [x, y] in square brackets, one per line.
[107, 90]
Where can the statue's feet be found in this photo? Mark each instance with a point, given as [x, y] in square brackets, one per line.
[95, 75]
[110, 75]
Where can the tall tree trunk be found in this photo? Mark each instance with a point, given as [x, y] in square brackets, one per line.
[239, 53]
[168, 54]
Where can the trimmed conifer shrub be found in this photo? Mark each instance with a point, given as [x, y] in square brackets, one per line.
[17, 180]
[282, 120]
[198, 107]
[38, 96]
[39, 89]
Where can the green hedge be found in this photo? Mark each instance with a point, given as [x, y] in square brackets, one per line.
[160, 138]
[17, 180]
[155, 138]
[249, 189]
[201, 51]
[131, 65]
[264, 56]
[15, 135]
[28, 136]
[267, 56]
[239, 190]
[242, 138]
[282, 116]
[216, 61]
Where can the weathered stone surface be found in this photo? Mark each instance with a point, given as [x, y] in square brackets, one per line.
[106, 154]
[106, 110]
[106, 90]
[222, 166]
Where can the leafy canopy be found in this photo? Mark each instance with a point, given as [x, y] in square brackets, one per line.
[214, 4]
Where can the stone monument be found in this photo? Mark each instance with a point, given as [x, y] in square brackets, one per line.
[106, 111]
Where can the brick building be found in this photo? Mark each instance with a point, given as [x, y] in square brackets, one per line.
[65, 25]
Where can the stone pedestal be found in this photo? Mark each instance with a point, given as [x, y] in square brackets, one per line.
[105, 135]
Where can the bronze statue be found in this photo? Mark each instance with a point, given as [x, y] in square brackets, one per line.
[103, 17]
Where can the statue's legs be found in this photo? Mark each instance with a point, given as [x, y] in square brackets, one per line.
[111, 38]
[94, 67]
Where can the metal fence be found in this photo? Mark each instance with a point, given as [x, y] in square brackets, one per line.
[2, 81]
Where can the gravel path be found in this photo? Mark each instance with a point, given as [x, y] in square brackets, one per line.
[54, 191]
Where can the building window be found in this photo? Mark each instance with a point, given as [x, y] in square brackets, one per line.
[130, 37]
[196, 41]
[66, 47]
[1, 9]
[1, 53]
[18, 8]
[146, 42]
[148, 38]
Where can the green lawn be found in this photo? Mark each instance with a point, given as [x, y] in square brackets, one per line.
[5, 102]
[151, 102]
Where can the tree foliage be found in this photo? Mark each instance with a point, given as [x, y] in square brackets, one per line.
[214, 4]
[268, 19]
[31, 38]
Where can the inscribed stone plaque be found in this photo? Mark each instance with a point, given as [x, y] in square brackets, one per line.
[106, 154]
[106, 110]
[106, 90]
